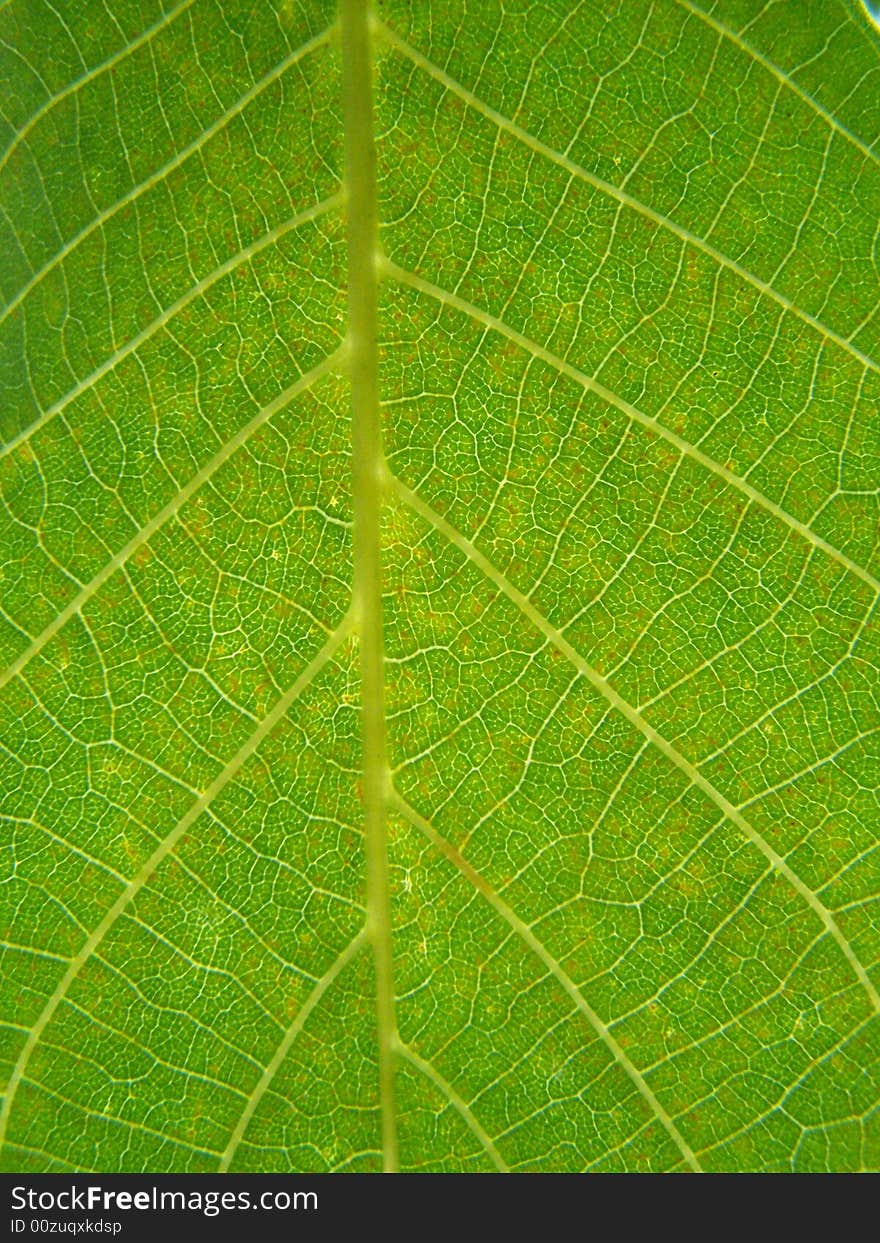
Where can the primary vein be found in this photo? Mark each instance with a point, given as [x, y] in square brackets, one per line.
[368, 484]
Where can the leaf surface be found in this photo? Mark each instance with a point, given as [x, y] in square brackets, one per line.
[441, 541]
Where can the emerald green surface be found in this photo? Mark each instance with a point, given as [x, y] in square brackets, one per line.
[628, 355]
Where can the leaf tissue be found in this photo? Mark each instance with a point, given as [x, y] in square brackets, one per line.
[440, 714]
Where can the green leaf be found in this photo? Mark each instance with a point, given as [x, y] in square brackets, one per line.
[439, 726]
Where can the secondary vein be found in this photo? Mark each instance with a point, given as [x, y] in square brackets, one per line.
[162, 851]
[693, 451]
[158, 520]
[601, 684]
[667, 223]
[525, 933]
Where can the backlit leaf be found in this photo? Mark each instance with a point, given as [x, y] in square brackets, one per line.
[439, 719]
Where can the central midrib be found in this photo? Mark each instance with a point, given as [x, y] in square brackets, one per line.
[368, 467]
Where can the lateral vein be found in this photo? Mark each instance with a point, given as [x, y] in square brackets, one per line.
[627, 200]
[161, 173]
[162, 851]
[275, 1062]
[693, 774]
[632, 412]
[458, 1103]
[201, 286]
[781, 76]
[79, 83]
[537, 947]
[159, 519]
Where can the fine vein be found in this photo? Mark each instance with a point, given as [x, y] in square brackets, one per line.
[90, 75]
[165, 171]
[201, 286]
[432, 1074]
[781, 76]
